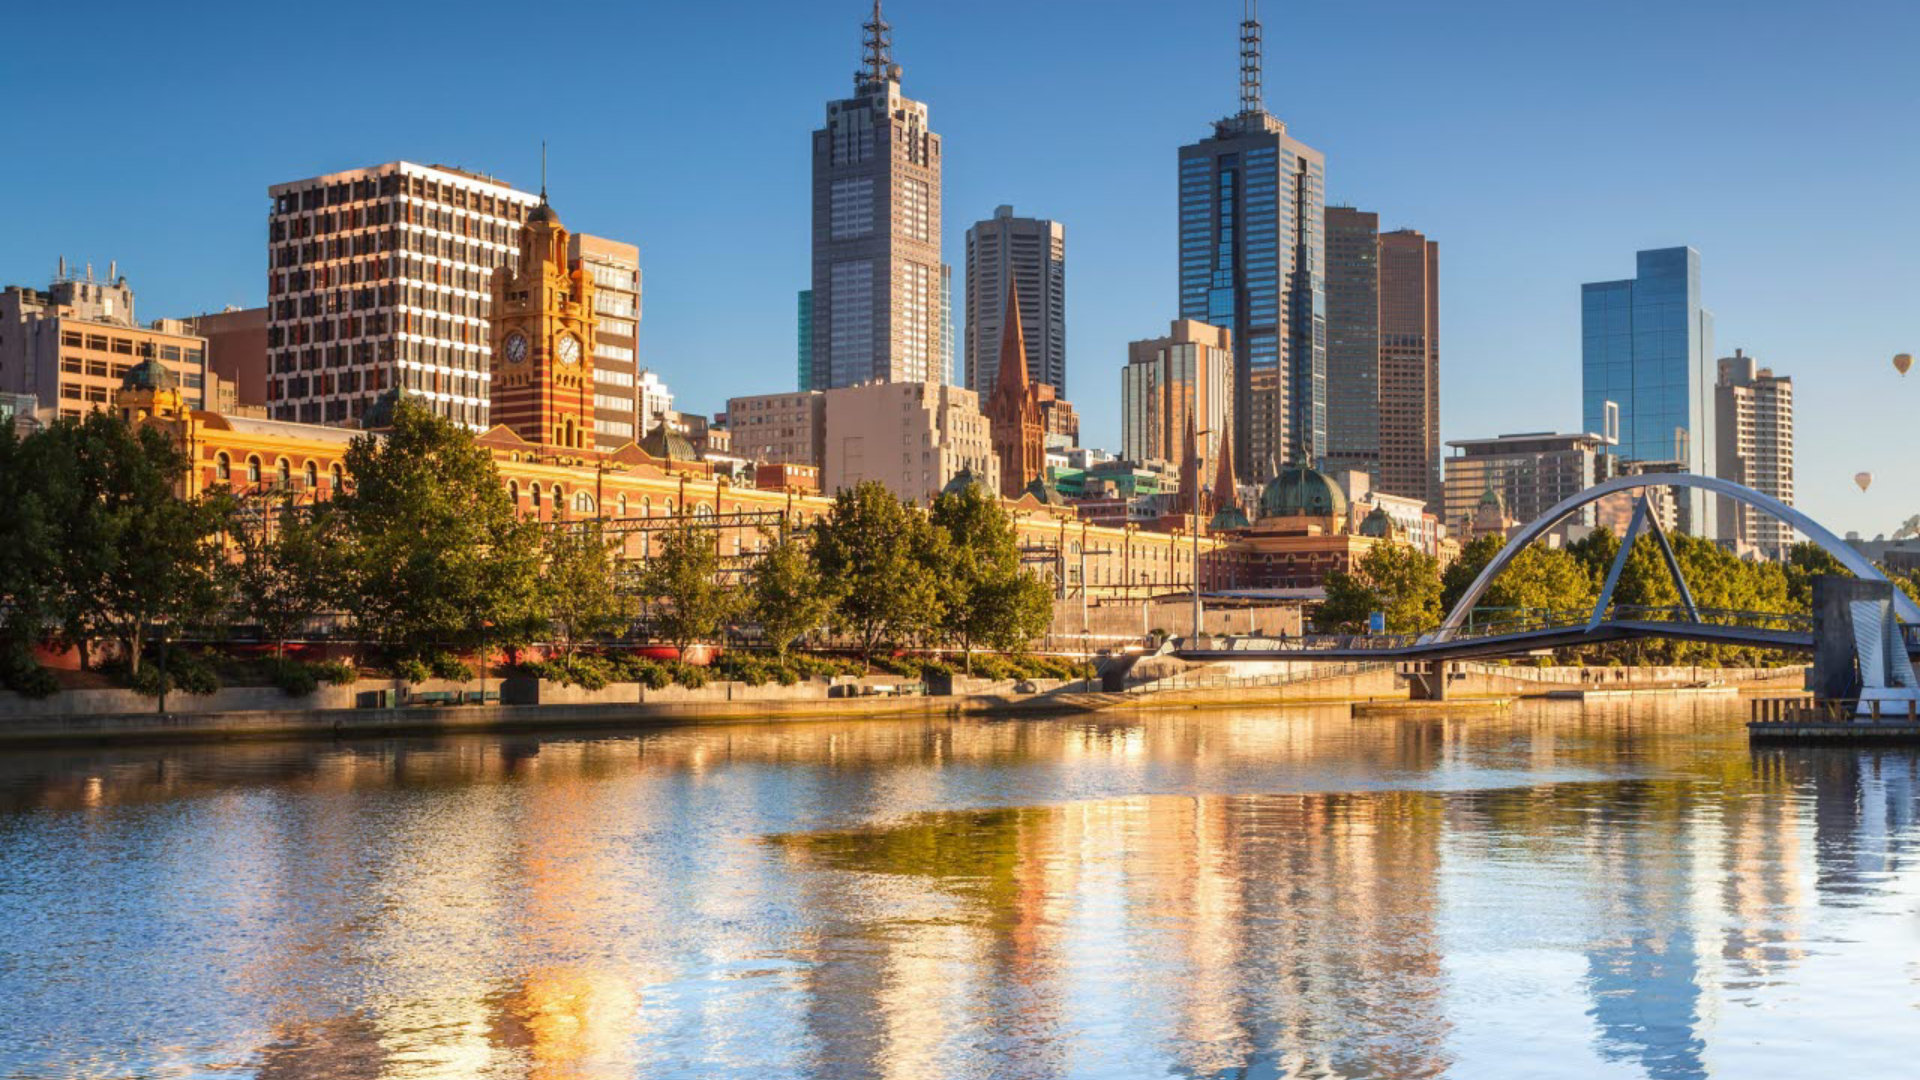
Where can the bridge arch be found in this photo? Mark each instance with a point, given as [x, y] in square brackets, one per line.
[1862, 567]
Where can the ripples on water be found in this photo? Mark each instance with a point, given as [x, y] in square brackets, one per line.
[1262, 894]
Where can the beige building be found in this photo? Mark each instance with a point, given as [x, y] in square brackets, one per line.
[912, 437]
[780, 429]
[1753, 421]
[236, 350]
[615, 269]
[1187, 375]
[69, 347]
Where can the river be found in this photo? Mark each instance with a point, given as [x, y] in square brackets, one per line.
[1614, 891]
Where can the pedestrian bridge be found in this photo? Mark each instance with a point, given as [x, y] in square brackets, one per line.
[1464, 636]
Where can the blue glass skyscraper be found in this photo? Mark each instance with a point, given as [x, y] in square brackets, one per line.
[1252, 261]
[1647, 348]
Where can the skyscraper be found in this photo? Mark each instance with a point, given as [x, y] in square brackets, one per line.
[1353, 338]
[1032, 254]
[1646, 344]
[804, 311]
[1753, 423]
[381, 277]
[1410, 367]
[1252, 259]
[1173, 383]
[615, 269]
[877, 295]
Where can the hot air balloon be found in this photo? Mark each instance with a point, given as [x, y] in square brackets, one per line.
[1864, 479]
[1902, 361]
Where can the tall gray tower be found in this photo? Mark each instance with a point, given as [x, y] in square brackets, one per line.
[877, 291]
[1252, 260]
[1032, 253]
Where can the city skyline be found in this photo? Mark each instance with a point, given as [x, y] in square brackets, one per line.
[1545, 211]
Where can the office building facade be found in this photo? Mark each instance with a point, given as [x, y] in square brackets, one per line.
[382, 277]
[780, 429]
[1252, 261]
[68, 348]
[1031, 254]
[878, 296]
[1528, 472]
[1353, 338]
[911, 437]
[1409, 367]
[615, 269]
[1753, 423]
[803, 312]
[1185, 378]
[1647, 369]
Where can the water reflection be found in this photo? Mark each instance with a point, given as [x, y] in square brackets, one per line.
[1618, 892]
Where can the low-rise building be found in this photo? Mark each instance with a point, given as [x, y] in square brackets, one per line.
[70, 346]
[1530, 472]
[912, 437]
[780, 429]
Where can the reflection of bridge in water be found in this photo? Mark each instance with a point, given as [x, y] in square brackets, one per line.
[1463, 637]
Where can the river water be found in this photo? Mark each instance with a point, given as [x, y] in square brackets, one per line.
[1601, 892]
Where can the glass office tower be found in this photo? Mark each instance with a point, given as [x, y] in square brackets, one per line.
[1647, 347]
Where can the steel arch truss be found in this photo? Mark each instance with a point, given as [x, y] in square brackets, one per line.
[1862, 567]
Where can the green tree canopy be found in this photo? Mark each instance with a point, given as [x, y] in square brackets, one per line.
[434, 554]
[284, 564]
[580, 596]
[871, 551]
[987, 596]
[1397, 579]
[787, 596]
[683, 586]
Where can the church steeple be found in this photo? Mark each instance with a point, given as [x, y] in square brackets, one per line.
[1019, 434]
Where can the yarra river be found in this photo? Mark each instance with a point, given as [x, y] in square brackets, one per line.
[1619, 891]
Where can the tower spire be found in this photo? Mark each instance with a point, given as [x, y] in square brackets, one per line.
[1251, 95]
[543, 170]
[877, 56]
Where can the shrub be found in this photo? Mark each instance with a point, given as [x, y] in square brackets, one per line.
[335, 672]
[691, 676]
[743, 667]
[994, 667]
[186, 674]
[447, 666]
[935, 669]
[294, 678]
[413, 671]
[20, 674]
[786, 674]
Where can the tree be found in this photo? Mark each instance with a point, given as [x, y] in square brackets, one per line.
[285, 564]
[28, 572]
[1460, 573]
[871, 546]
[433, 551]
[682, 583]
[987, 597]
[1397, 579]
[132, 553]
[1542, 579]
[786, 596]
[579, 585]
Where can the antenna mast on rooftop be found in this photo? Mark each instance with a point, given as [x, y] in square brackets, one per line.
[1250, 50]
[878, 54]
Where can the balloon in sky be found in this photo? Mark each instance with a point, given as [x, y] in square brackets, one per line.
[1902, 361]
[1864, 479]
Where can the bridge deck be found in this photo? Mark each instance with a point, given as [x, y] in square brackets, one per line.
[1512, 644]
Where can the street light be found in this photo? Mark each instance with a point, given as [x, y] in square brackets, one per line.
[1198, 436]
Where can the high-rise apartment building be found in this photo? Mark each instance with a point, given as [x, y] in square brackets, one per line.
[382, 277]
[1646, 344]
[804, 318]
[878, 296]
[1353, 338]
[1170, 382]
[653, 402]
[1409, 367]
[912, 437]
[1753, 423]
[1031, 253]
[1252, 260]
[68, 347]
[615, 270]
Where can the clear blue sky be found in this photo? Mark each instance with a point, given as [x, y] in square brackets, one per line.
[1540, 144]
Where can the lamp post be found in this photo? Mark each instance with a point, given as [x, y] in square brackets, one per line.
[1197, 486]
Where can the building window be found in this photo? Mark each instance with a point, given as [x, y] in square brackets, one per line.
[222, 466]
[583, 502]
[286, 473]
[313, 475]
[253, 469]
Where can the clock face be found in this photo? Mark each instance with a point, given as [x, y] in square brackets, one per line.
[569, 349]
[516, 348]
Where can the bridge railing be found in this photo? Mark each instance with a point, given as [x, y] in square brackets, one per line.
[1514, 622]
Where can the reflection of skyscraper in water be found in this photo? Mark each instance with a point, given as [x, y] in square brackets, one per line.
[1864, 803]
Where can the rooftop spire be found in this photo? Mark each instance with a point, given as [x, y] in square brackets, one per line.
[878, 54]
[1225, 494]
[1251, 97]
[1013, 343]
[543, 170]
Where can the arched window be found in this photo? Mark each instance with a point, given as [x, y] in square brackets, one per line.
[533, 496]
[253, 469]
[285, 471]
[339, 477]
[313, 475]
[513, 493]
[702, 510]
[646, 506]
[583, 502]
[669, 507]
[222, 466]
[623, 504]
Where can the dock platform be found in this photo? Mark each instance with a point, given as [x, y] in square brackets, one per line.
[1804, 719]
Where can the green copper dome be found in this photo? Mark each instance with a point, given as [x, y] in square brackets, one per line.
[962, 480]
[1302, 491]
[1228, 519]
[668, 445]
[1378, 524]
[149, 375]
[1042, 489]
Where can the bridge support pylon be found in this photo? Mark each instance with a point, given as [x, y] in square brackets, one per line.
[1427, 681]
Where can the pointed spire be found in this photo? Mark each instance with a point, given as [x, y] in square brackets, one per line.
[1190, 462]
[543, 170]
[1013, 343]
[1226, 493]
[1251, 47]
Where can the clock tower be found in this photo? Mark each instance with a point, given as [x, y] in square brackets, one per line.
[543, 338]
